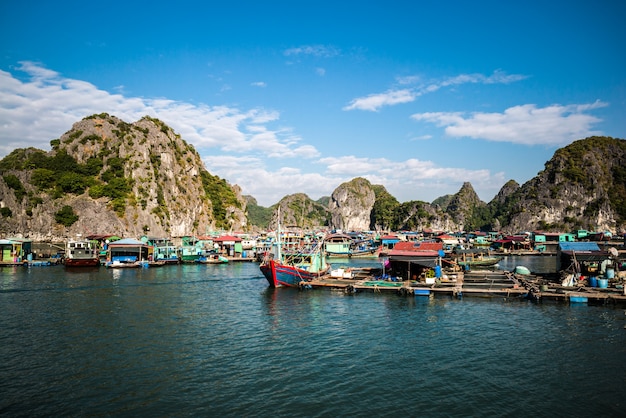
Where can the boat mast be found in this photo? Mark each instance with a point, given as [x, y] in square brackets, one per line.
[279, 253]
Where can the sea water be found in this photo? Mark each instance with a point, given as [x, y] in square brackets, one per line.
[214, 340]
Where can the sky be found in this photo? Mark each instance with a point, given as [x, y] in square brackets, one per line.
[283, 97]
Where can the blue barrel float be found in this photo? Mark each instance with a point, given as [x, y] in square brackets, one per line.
[603, 283]
[593, 282]
[610, 274]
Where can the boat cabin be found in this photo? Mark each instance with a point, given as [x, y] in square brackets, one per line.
[338, 245]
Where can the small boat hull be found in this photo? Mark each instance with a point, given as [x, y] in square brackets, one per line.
[281, 275]
[121, 265]
[82, 262]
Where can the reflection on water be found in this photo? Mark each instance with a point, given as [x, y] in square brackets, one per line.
[536, 264]
[201, 341]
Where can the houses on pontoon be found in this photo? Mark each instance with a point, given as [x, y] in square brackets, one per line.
[476, 248]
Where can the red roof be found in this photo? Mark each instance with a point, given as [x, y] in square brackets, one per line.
[417, 249]
[227, 238]
[389, 237]
[445, 236]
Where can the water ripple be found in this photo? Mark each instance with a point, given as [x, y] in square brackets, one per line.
[197, 341]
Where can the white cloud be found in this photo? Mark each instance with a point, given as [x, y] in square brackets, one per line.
[45, 106]
[374, 102]
[324, 51]
[524, 124]
[411, 79]
[259, 84]
[320, 71]
[421, 137]
[245, 147]
[268, 187]
[411, 179]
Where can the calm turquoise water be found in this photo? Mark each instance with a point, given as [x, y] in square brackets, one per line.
[214, 340]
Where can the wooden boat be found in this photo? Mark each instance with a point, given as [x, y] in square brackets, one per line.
[475, 258]
[480, 261]
[213, 258]
[345, 246]
[338, 245]
[81, 253]
[366, 252]
[123, 264]
[296, 267]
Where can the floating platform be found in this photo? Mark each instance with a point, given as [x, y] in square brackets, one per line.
[32, 263]
[486, 283]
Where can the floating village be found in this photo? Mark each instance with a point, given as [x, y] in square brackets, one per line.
[590, 267]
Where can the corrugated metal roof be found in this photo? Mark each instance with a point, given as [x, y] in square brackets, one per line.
[417, 247]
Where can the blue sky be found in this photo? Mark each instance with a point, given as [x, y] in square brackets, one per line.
[282, 97]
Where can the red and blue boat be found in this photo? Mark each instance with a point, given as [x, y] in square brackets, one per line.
[294, 270]
[296, 266]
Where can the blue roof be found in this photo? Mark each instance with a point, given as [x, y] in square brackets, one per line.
[579, 246]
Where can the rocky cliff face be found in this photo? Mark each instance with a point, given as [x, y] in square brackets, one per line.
[298, 210]
[583, 186]
[351, 204]
[418, 216]
[144, 179]
[463, 205]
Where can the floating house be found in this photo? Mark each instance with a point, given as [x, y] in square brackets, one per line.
[585, 258]
[128, 250]
[387, 242]
[193, 248]
[229, 245]
[15, 250]
[103, 241]
[514, 243]
[414, 260]
[162, 249]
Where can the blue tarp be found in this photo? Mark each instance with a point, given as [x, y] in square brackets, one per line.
[579, 246]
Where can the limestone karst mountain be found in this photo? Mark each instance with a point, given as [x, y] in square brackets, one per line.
[108, 176]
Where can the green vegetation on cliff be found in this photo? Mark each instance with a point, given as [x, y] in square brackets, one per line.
[384, 213]
[221, 196]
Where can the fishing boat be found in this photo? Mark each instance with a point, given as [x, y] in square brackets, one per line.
[295, 267]
[479, 261]
[365, 251]
[340, 245]
[212, 258]
[81, 253]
